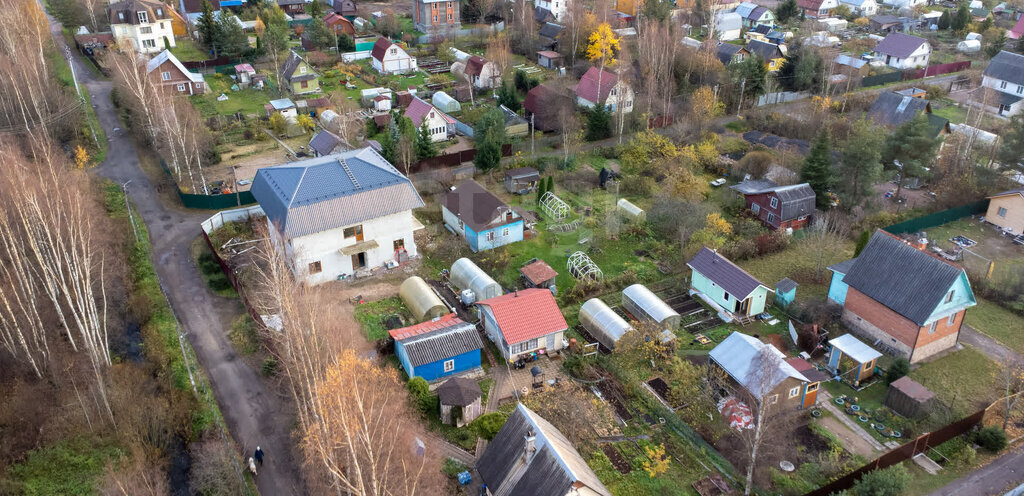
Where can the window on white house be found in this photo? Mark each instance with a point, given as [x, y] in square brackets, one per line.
[951, 321]
[161, 25]
[166, 75]
[449, 365]
[931, 328]
[120, 16]
[755, 208]
[143, 17]
[181, 87]
[146, 30]
[315, 267]
[775, 202]
[1002, 85]
[149, 43]
[1001, 212]
[504, 232]
[794, 392]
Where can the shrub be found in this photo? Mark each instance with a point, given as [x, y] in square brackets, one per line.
[992, 439]
[269, 368]
[637, 186]
[220, 283]
[452, 467]
[772, 242]
[420, 392]
[891, 481]
[899, 368]
[488, 425]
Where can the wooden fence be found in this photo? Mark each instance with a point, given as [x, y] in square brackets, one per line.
[452, 159]
[920, 444]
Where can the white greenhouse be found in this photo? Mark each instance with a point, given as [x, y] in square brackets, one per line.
[630, 210]
[466, 275]
[445, 103]
[603, 323]
[642, 304]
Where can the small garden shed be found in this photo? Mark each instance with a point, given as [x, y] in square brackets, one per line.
[460, 401]
[862, 355]
[908, 398]
[785, 291]
[538, 274]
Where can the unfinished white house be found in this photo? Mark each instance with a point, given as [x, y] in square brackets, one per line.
[339, 215]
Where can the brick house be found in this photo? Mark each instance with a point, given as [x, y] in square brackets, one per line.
[901, 298]
[778, 207]
[436, 16]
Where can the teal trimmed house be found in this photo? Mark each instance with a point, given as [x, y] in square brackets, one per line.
[726, 286]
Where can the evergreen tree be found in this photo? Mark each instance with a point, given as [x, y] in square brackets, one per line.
[318, 34]
[962, 18]
[551, 184]
[315, 9]
[507, 97]
[859, 165]
[599, 124]
[488, 136]
[914, 145]
[754, 72]
[233, 40]
[786, 11]
[996, 46]
[388, 148]
[946, 19]
[208, 27]
[345, 43]
[1011, 153]
[425, 147]
[817, 170]
[862, 241]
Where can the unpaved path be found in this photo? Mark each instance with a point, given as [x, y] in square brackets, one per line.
[851, 440]
[254, 414]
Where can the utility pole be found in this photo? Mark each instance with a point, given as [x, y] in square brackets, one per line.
[739, 107]
[74, 78]
[533, 134]
[716, 97]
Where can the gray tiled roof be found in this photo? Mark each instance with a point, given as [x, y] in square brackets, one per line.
[555, 466]
[324, 142]
[442, 344]
[1007, 66]
[765, 50]
[459, 391]
[893, 109]
[843, 267]
[291, 64]
[724, 273]
[899, 45]
[907, 280]
[785, 285]
[474, 205]
[339, 190]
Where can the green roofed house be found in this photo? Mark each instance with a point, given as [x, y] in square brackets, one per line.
[736, 294]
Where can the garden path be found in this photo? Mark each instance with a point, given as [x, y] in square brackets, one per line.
[842, 417]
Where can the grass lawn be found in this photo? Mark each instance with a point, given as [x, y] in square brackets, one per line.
[999, 323]
[1005, 256]
[371, 315]
[795, 263]
[187, 51]
[247, 101]
[962, 379]
[949, 110]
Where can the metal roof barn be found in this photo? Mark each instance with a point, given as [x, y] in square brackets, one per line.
[643, 304]
[421, 299]
[603, 323]
[466, 275]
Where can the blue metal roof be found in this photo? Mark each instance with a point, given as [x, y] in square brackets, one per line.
[338, 190]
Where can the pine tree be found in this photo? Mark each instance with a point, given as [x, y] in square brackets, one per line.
[551, 184]
[817, 170]
[425, 147]
[209, 29]
[315, 9]
[507, 97]
[599, 124]
[488, 136]
[859, 165]
[862, 241]
[541, 189]
[962, 18]
[318, 34]
[946, 19]
[996, 46]
[232, 41]
[914, 145]
[786, 11]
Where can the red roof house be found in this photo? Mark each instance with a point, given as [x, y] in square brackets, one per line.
[598, 86]
[338, 24]
[1018, 30]
[524, 322]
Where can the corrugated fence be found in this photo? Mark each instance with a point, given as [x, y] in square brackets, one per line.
[938, 218]
[210, 202]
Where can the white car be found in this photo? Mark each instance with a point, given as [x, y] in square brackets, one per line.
[718, 182]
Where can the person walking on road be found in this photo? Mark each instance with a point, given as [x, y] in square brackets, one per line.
[259, 456]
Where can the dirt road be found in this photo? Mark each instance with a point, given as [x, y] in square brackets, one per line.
[997, 477]
[254, 414]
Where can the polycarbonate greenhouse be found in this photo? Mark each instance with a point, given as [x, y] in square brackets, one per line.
[603, 323]
[630, 210]
[421, 299]
[466, 275]
[642, 304]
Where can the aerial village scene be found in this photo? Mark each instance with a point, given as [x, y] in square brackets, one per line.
[512, 247]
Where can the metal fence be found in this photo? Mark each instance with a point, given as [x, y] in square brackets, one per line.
[919, 445]
[880, 79]
[452, 159]
[936, 70]
[210, 202]
[938, 218]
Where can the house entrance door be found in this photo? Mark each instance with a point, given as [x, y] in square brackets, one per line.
[359, 260]
[744, 306]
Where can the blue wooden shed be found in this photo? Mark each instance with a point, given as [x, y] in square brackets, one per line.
[785, 291]
[438, 348]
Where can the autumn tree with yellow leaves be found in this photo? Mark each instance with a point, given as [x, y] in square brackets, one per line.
[602, 47]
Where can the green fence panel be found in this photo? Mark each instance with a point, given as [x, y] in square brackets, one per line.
[210, 202]
[938, 218]
[880, 79]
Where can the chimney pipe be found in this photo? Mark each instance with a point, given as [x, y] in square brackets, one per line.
[530, 446]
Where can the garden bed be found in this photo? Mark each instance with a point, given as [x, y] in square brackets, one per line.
[618, 461]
